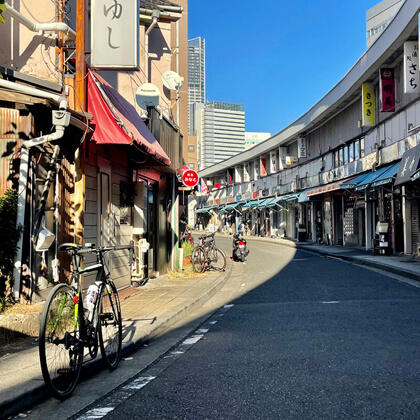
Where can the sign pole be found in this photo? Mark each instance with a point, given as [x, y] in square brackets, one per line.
[80, 98]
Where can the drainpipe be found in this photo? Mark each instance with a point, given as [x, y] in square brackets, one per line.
[155, 19]
[69, 34]
[61, 120]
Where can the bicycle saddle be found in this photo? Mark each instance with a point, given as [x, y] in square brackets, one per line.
[66, 247]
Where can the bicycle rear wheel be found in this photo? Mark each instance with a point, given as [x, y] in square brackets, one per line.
[110, 328]
[198, 259]
[60, 348]
[216, 258]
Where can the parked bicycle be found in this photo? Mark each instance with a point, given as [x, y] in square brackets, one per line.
[68, 326]
[207, 255]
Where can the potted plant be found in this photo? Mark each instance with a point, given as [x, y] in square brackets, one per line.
[188, 250]
[302, 232]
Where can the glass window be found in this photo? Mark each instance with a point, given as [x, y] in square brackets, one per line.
[346, 155]
[191, 148]
[356, 150]
[191, 165]
[351, 152]
[336, 159]
[362, 147]
[341, 158]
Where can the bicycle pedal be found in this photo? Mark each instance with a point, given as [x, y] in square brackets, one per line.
[106, 316]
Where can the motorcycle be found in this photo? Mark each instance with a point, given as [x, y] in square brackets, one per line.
[239, 251]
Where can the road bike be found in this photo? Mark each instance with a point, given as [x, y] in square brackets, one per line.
[207, 255]
[70, 328]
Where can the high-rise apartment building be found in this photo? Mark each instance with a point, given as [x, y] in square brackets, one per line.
[378, 18]
[254, 138]
[196, 77]
[220, 132]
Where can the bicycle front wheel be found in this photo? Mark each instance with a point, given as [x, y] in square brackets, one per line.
[216, 258]
[198, 259]
[110, 328]
[60, 347]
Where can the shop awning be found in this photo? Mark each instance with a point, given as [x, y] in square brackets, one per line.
[327, 188]
[372, 177]
[273, 202]
[354, 182]
[205, 210]
[116, 120]
[303, 196]
[250, 204]
[408, 166]
[231, 207]
[388, 176]
[265, 203]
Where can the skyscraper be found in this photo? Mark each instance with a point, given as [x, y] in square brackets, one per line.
[378, 18]
[220, 132]
[196, 77]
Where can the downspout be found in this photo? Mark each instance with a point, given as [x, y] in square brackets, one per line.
[155, 19]
[61, 121]
[69, 34]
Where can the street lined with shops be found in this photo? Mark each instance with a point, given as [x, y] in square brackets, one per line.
[297, 336]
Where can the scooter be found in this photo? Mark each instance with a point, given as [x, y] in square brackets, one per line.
[187, 234]
[239, 251]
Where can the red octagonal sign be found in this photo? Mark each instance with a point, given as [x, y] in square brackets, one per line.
[190, 178]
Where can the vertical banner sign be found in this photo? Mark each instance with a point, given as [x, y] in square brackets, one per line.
[411, 67]
[115, 34]
[301, 146]
[273, 162]
[387, 89]
[247, 176]
[256, 169]
[263, 165]
[282, 157]
[368, 105]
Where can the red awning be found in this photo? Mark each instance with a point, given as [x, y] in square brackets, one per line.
[327, 188]
[116, 120]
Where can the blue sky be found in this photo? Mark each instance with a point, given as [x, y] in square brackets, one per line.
[278, 58]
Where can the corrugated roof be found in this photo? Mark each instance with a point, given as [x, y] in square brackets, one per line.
[148, 4]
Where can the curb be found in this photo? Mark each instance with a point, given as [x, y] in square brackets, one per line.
[36, 394]
[354, 260]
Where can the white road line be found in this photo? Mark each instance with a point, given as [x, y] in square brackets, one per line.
[332, 301]
[96, 413]
[192, 340]
[139, 383]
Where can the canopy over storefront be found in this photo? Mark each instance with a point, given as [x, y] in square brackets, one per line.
[230, 207]
[409, 165]
[373, 177]
[116, 120]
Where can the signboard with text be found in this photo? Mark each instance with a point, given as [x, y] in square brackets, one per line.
[411, 67]
[190, 178]
[115, 34]
[387, 90]
[368, 104]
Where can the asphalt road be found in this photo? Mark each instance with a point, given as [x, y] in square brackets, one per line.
[301, 337]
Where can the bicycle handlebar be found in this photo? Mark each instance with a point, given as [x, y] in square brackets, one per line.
[92, 249]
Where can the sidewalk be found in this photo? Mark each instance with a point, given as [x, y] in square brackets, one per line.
[147, 312]
[405, 266]
[151, 309]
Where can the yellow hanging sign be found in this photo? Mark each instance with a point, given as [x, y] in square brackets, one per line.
[368, 105]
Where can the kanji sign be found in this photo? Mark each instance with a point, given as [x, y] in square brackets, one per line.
[115, 34]
[190, 178]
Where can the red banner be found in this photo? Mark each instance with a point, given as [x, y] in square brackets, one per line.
[387, 88]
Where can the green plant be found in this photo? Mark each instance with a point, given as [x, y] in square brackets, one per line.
[188, 249]
[10, 237]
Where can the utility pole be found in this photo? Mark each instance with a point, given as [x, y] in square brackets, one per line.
[80, 104]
